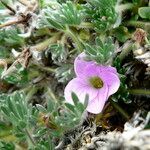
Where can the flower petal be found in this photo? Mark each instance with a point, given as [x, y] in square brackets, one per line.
[80, 88]
[107, 68]
[80, 64]
[109, 78]
[89, 71]
[112, 80]
[96, 105]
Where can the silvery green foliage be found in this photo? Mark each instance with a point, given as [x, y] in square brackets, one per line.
[16, 109]
[102, 14]
[11, 38]
[58, 52]
[102, 51]
[26, 123]
[64, 72]
[59, 16]
[34, 117]
[21, 115]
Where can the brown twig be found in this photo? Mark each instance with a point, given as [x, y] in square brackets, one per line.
[24, 19]
[10, 23]
[23, 59]
[26, 55]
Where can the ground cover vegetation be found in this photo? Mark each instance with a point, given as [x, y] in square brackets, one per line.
[74, 74]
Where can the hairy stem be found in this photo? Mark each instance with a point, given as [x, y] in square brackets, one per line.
[75, 38]
[125, 50]
[43, 45]
[31, 92]
[120, 110]
[30, 138]
[139, 24]
[86, 25]
[140, 92]
[11, 23]
[45, 69]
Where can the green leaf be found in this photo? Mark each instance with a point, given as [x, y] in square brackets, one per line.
[41, 108]
[18, 75]
[11, 38]
[90, 50]
[3, 52]
[101, 51]
[22, 124]
[80, 108]
[144, 12]
[5, 110]
[102, 14]
[121, 33]
[55, 24]
[70, 107]
[86, 101]
[98, 42]
[58, 52]
[16, 109]
[64, 72]
[20, 110]
[74, 98]
[7, 145]
[66, 14]
[51, 105]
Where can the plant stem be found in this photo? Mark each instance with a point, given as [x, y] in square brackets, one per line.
[125, 50]
[31, 92]
[120, 110]
[43, 45]
[46, 69]
[51, 94]
[51, 146]
[75, 39]
[31, 140]
[87, 25]
[139, 92]
[12, 23]
[139, 24]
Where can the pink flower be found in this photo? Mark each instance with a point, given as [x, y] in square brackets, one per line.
[98, 81]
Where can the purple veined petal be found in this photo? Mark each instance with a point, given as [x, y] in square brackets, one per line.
[80, 64]
[80, 88]
[102, 68]
[96, 105]
[109, 78]
[89, 71]
[112, 80]
[107, 68]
